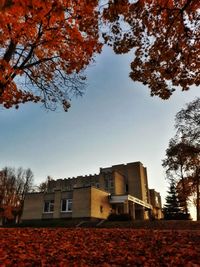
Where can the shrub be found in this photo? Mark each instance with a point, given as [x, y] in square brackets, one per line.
[177, 216]
[119, 217]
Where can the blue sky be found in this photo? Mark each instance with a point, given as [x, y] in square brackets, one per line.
[115, 122]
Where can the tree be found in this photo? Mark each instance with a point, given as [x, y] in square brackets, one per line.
[172, 209]
[176, 168]
[163, 35]
[14, 184]
[44, 45]
[187, 124]
[183, 154]
[43, 186]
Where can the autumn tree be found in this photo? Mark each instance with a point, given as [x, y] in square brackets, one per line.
[163, 37]
[187, 122]
[183, 154]
[14, 184]
[175, 164]
[188, 125]
[44, 46]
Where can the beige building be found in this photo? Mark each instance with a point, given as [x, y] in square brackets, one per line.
[120, 189]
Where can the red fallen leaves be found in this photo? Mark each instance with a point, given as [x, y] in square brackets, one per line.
[98, 247]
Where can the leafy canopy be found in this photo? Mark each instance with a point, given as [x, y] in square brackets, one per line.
[48, 44]
[163, 36]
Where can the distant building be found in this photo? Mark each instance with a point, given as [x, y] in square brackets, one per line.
[120, 189]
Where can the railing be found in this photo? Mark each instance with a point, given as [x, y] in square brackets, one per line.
[121, 199]
[139, 201]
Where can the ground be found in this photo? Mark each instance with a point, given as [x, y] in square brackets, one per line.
[99, 247]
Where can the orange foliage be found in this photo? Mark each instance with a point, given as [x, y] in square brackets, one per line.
[45, 42]
[98, 247]
[7, 212]
[165, 38]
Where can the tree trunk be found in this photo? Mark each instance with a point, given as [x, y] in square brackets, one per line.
[5, 3]
[198, 199]
[1, 88]
[184, 191]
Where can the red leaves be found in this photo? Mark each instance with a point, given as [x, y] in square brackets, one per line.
[44, 47]
[14, 96]
[98, 247]
[164, 36]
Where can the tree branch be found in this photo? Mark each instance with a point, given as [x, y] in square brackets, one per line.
[10, 51]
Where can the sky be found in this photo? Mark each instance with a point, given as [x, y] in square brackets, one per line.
[115, 122]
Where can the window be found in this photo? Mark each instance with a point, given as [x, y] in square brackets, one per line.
[157, 200]
[106, 184]
[126, 188]
[69, 188]
[101, 209]
[109, 182]
[48, 205]
[66, 205]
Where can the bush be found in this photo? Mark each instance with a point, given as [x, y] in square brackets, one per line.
[177, 216]
[47, 223]
[119, 217]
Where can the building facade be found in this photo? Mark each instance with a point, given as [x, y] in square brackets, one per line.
[119, 189]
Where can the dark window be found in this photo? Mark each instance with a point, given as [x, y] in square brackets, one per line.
[126, 188]
[49, 206]
[109, 182]
[101, 209]
[66, 205]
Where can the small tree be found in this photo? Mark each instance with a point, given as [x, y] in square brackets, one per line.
[172, 209]
[43, 186]
[14, 184]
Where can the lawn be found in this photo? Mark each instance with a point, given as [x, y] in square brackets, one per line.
[98, 247]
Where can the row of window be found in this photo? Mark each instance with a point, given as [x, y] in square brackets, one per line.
[66, 205]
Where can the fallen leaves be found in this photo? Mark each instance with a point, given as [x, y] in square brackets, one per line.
[98, 247]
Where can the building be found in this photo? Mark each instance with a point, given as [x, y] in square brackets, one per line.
[119, 189]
